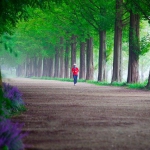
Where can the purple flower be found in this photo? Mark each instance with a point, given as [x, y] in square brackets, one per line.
[13, 94]
[10, 135]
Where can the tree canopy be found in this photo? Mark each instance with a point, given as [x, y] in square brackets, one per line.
[40, 27]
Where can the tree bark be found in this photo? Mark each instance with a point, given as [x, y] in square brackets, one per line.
[148, 84]
[35, 66]
[134, 48]
[19, 70]
[61, 75]
[89, 59]
[30, 67]
[40, 67]
[102, 56]
[117, 58]
[27, 67]
[45, 67]
[82, 60]
[0, 80]
[67, 61]
[51, 67]
[56, 73]
[73, 52]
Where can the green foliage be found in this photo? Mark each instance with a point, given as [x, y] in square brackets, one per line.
[131, 86]
[42, 32]
[10, 101]
[145, 44]
[14, 11]
[97, 83]
[5, 148]
[106, 83]
[7, 58]
[5, 105]
[40, 24]
[137, 86]
[118, 84]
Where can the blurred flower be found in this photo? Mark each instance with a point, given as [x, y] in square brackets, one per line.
[10, 135]
[12, 93]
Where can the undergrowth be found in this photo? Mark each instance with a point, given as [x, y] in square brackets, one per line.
[123, 84]
[11, 104]
[58, 79]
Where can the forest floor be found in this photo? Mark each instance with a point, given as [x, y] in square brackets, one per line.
[61, 116]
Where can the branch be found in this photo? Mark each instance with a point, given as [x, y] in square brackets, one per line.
[94, 4]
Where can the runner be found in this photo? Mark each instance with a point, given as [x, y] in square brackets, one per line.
[75, 71]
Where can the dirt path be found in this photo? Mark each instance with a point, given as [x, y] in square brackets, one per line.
[61, 116]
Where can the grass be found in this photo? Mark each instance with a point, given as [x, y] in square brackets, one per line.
[18, 111]
[106, 83]
[119, 84]
[137, 86]
[58, 79]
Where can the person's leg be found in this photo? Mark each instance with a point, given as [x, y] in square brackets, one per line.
[74, 80]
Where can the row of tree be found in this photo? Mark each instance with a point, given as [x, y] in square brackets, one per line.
[60, 27]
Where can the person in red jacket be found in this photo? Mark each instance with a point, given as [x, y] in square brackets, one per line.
[75, 72]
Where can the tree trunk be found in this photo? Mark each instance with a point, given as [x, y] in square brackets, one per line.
[19, 71]
[27, 67]
[73, 51]
[117, 59]
[67, 61]
[102, 56]
[142, 72]
[56, 62]
[148, 84]
[30, 67]
[16, 70]
[89, 59]
[35, 66]
[61, 75]
[40, 67]
[51, 67]
[45, 71]
[82, 60]
[46, 67]
[24, 69]
[134, 48]
[1, 85]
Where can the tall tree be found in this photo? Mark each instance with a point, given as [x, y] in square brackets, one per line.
[148, 84]
[99, 15]
[117, 57]
[67, 53]
[138, 10]
[73, 51]
[61, 74]
[0, 80]
[57, 62]
[102, 56]
[82, 60]
[89, 59]
[134, 48]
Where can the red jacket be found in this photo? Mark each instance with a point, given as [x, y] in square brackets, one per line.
[75, 71]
